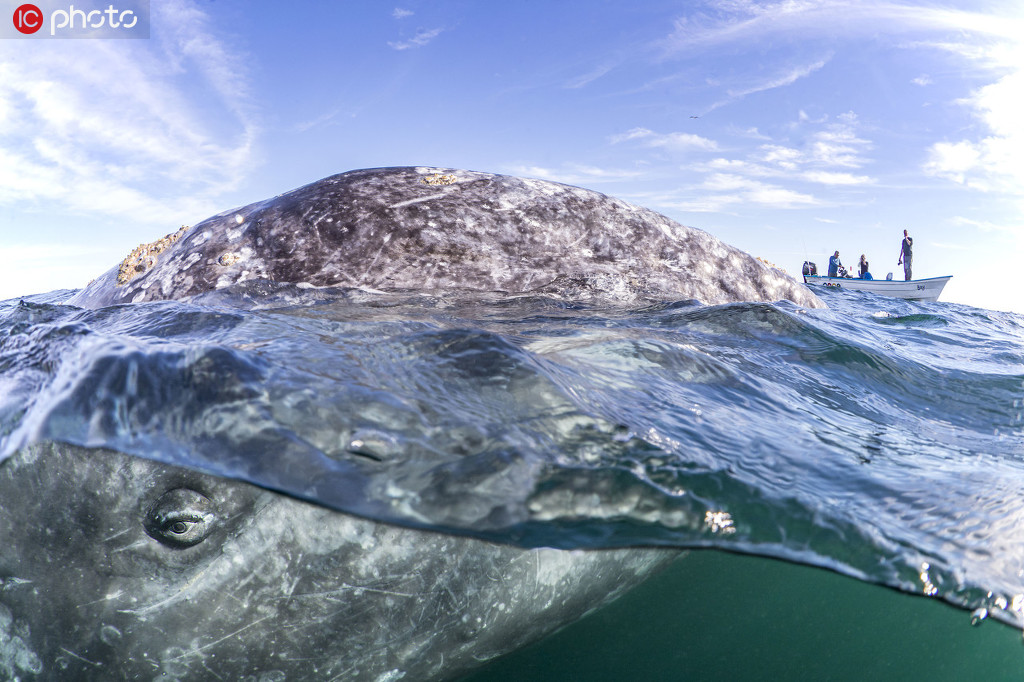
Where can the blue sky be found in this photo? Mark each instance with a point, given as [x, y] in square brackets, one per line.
[789, 129]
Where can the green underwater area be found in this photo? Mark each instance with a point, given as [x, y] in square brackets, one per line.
[719, 616]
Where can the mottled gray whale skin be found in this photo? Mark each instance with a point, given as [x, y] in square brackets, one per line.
[114, 567]
[437, 229]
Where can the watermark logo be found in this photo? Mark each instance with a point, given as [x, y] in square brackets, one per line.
[88, 19]
[28, 19]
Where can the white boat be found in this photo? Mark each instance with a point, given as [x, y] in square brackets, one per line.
[915, 289]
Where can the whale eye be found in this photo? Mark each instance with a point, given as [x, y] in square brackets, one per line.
[180, 518]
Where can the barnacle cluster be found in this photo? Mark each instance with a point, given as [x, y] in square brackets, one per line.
[229, 258]
[770, 264]
[143, 256]
[440, 179]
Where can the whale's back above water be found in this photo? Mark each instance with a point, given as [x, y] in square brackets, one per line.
[434, 229]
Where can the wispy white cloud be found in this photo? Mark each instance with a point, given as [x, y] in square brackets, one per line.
[780, 197]
[838, 146]
[400, 13]
[726, 196]
[991, 162]
[988, 41]
[953, 160]
[107, 127]
[985, 225]
[422, 37]
[757, 22]
[810, 171]
[831, 178]
[946, 246]
[781, 157]
[823, 158]
[589, 77]
[781, 80]
[806, 118]
[736, 189]
[725, 182]
[988, 161]
[672, 141]
[729, 192]
[574, 173]
[754, 134]
[324, 119]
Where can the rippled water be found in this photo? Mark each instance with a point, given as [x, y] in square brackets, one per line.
[880, 438]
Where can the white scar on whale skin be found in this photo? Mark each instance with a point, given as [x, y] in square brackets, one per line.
[182, 593]
[106, 598]
[369, 267]
[226, 637]
[400, 204]
[69, 652]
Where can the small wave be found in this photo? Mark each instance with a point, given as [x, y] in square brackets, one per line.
[914, 320]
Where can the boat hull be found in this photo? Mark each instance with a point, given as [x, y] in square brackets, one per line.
[915, 290]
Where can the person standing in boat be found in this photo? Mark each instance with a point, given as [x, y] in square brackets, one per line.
[834, 265]
[906, 254]
[864, 274]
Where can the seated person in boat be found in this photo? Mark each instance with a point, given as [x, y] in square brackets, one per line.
[864, 274]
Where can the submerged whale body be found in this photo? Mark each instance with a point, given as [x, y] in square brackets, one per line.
[114, 567]
[434, 229]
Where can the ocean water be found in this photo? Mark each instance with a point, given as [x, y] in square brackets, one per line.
[880, 439]
[718, 617]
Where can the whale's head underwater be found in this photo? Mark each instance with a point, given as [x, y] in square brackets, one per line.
[114, 567]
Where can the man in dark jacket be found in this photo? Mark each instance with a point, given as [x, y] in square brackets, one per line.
[906, 254]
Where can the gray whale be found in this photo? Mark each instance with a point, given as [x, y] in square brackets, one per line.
[114, 567]
[117, 567]
[436, 229]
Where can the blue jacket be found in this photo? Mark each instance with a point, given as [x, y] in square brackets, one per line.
[833, 266]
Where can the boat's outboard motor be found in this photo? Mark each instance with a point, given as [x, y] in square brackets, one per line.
[810, 268]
